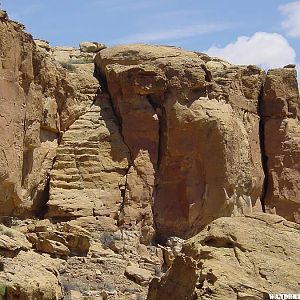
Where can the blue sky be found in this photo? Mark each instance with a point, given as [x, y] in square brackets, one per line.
[260, 32]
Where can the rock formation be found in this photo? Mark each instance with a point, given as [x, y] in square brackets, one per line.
[229, 261]
[124, 152]
[193, 139]
[280, 113]
[39, 100]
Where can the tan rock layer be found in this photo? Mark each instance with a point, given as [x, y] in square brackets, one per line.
[38, 100]
[235, 258]
[193, 136]
[90, 168]
[280, 113]
[176, 144]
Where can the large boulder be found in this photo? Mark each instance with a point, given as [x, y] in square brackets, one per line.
[60, 239]
[235, 258]
[91, 47]
[12, 242]
[192, 135]
[30, 276]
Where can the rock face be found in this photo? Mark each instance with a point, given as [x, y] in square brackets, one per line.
[171, 140]
[41, 284]
[38, 101]
[90, 168]
[125, 152]
[280, 111]
[18, 261]
[19, 113]
[229, 261]
[193, 139]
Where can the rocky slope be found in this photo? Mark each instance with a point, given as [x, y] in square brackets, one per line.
[227, 261]
[110, 157]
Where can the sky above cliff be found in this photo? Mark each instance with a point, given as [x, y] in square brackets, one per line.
[247, 32]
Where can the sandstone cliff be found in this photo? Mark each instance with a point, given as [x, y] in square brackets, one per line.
[194, 142]
[280, 114]
[39, 100]
[120, 150]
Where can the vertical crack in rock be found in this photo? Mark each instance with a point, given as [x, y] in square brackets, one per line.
[104, 87]
[130, 162]
[123, 193]
[160, 112]
[40, 209]
[161, 115]
[138, 194]
[27, 164]
[40, 205]
[208, 79]
[264, 157]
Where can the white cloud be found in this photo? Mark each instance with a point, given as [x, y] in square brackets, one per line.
[291, 24]
[175, 34]
[269, 50]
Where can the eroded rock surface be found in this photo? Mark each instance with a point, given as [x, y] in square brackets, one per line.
[24, 273]
[157, 145]
[192, 133]
[39, 100]
[227, 260]
[91, 163]
[280, 112]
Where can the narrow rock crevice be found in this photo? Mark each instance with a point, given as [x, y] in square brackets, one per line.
[104, 90]
[101, 79]
[156, 103]
[208, 80]
[40, 205]
[264, 157]
[123, 197]
[27, 164]
[161, 115]
[40, 209]
[160, 110]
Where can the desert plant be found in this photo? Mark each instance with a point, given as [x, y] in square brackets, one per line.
[82, 60]
[107, 238]
[2, 290]
[68, 66]
[6, 232]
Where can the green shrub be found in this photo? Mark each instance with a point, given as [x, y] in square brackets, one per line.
[83, 60]
[68, 66]
[8, 233]
[2, 290]
[5, 231]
